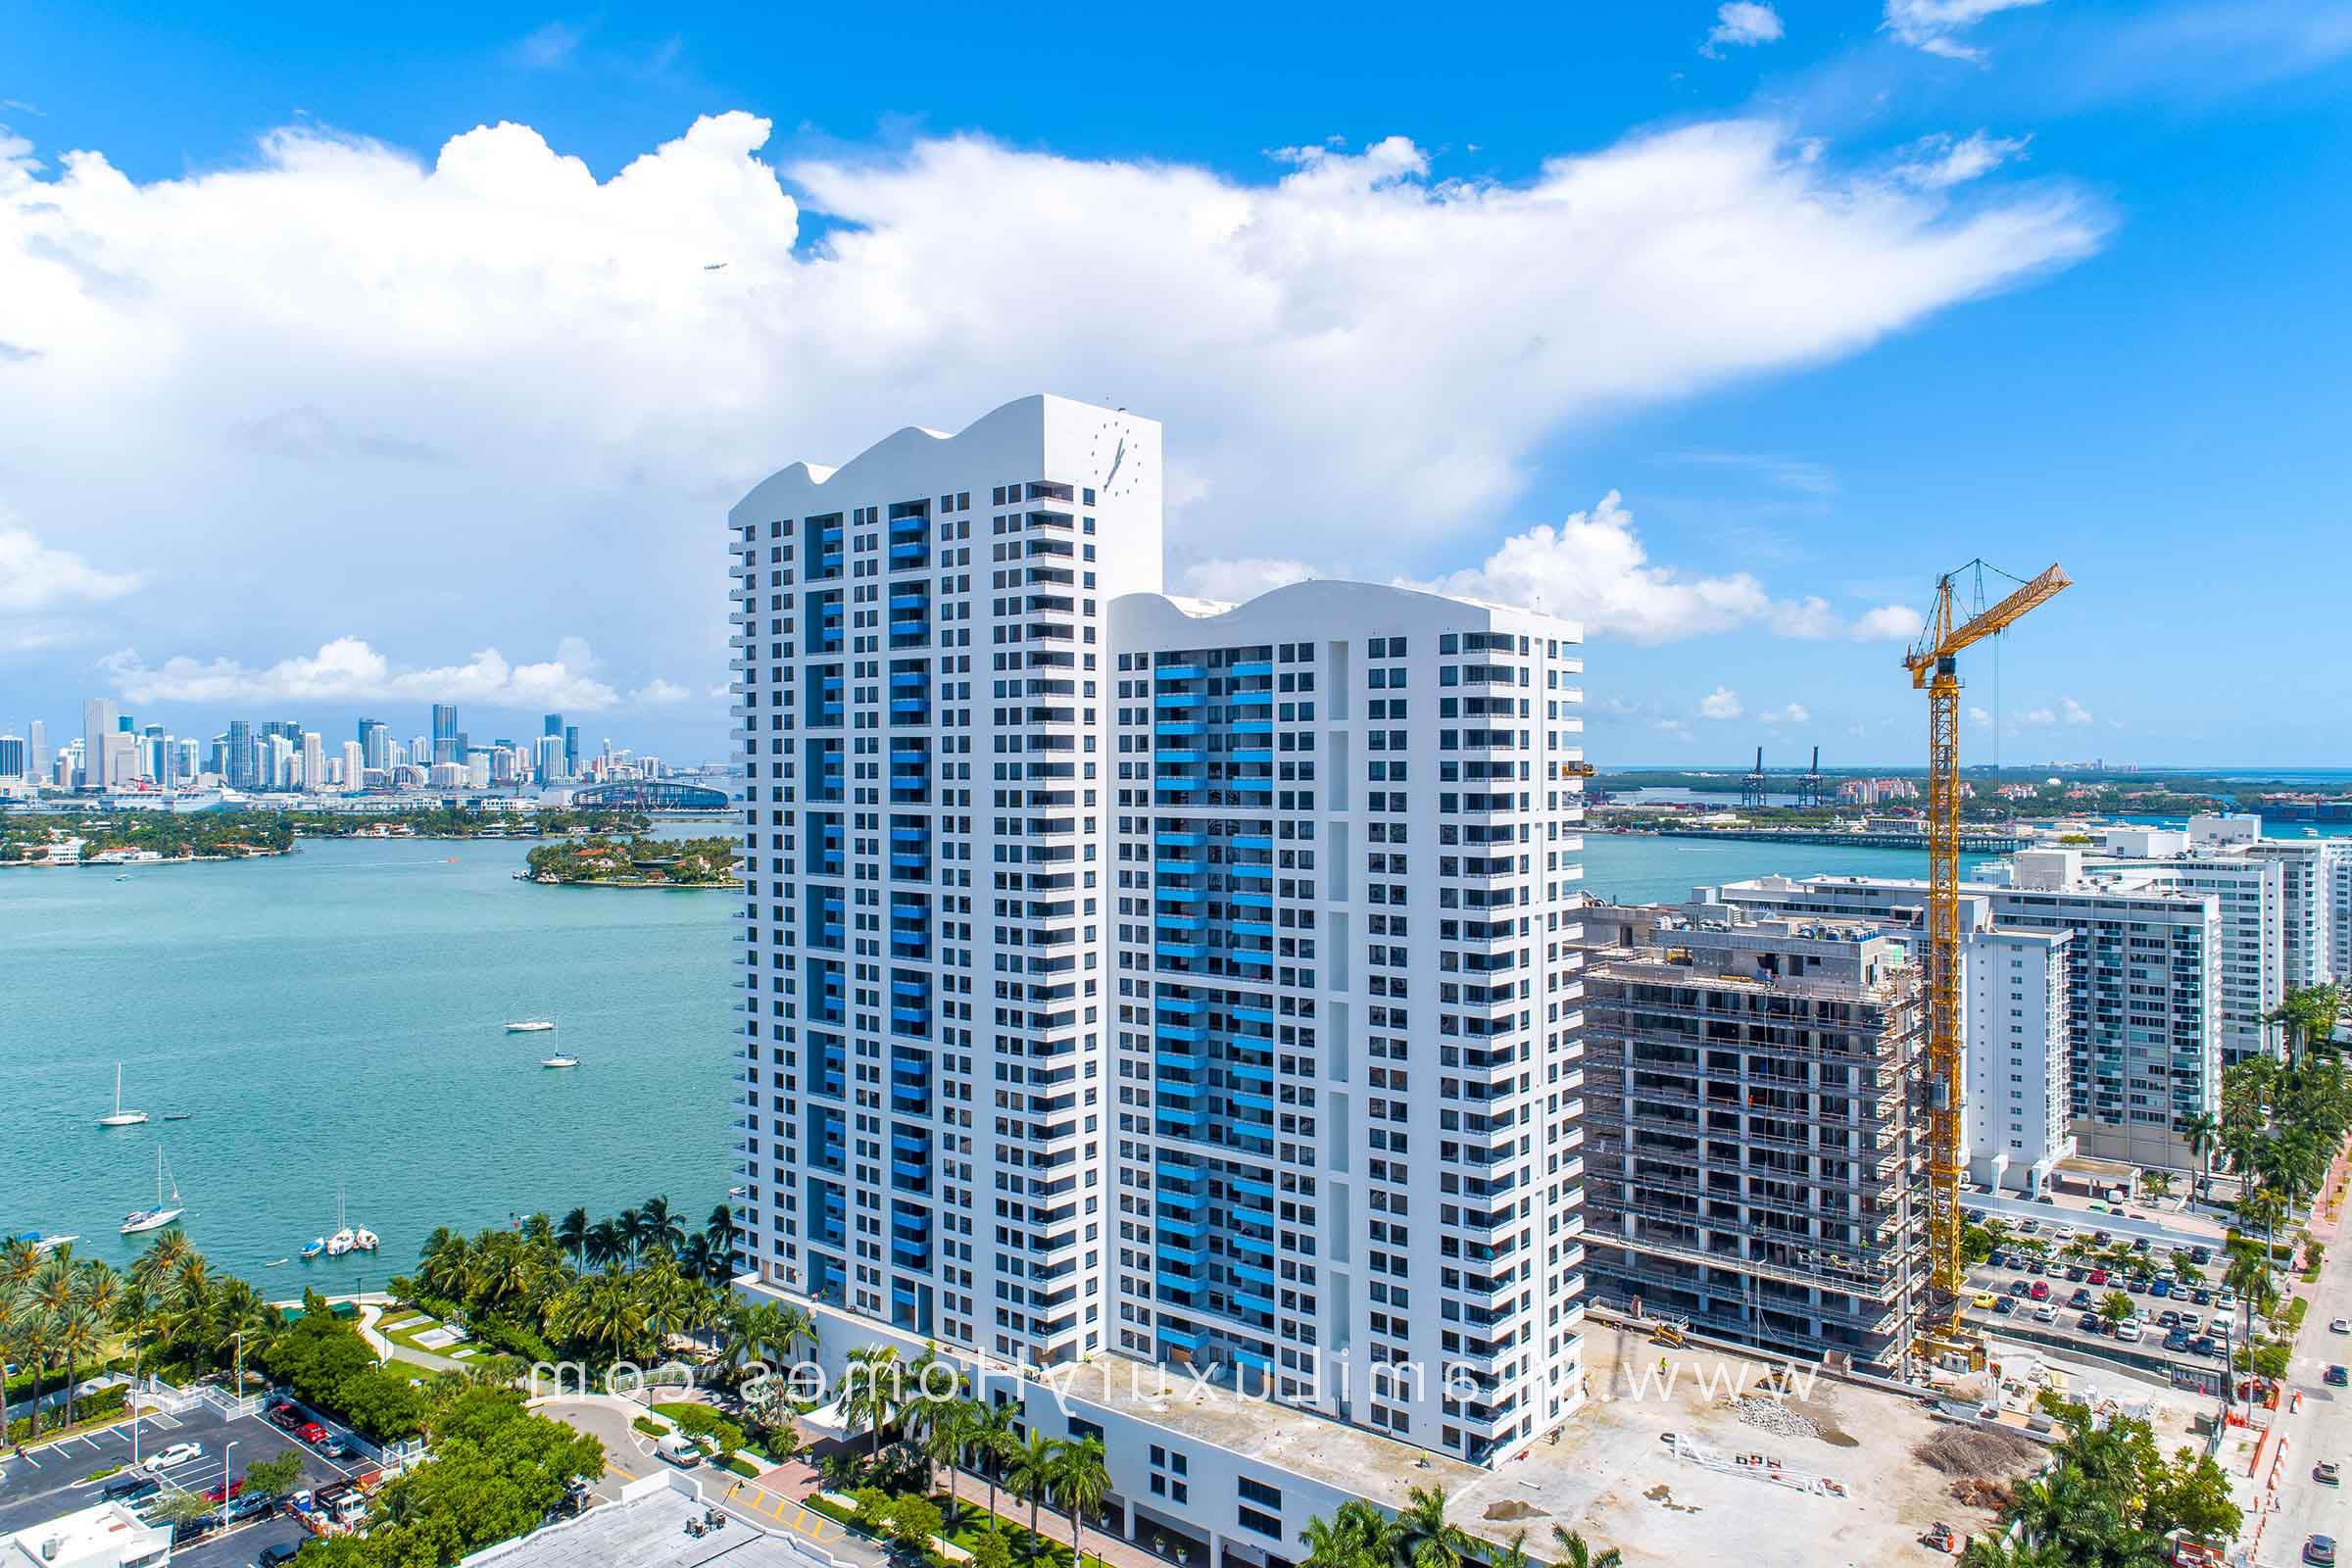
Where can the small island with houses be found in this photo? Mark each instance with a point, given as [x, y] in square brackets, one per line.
[634, 862]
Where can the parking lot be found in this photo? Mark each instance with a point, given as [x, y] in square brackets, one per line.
[43, 1483]
[2069, 1299]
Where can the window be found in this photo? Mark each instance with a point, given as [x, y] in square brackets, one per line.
[1264, 1524]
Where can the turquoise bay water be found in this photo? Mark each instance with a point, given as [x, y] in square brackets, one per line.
[335, 1016]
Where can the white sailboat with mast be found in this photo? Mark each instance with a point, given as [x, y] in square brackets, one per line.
[163, 1213]
[344, 1239]
[121, 1118]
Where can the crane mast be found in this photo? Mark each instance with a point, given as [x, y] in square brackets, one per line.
[1933, 663]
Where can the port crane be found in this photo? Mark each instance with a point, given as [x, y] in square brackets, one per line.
[1933, 663]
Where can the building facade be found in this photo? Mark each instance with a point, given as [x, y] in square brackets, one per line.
[1136, 980]
[1347, 1014]
[1756, 1128]
[2013, 990]
[2143, 986]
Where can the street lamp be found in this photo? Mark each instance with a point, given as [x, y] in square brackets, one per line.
[225, 1454]
[240, 1336]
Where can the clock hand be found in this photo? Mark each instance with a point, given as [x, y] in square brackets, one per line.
[1116, 458]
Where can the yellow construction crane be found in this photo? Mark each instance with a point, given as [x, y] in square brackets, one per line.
[1934, 664]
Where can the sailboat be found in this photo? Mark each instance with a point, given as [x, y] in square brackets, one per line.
[559, 1058]
[163, 1213]
[121, 1117]
[344, 1239]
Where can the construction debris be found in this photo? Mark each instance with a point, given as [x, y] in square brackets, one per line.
[1774, 1417]
[1978, 1453]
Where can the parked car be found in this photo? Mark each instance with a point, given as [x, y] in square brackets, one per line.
[2160, 1287]
[2005, 1306]
[2204, 1344]
[216, 1493]
[2176, 1341]
[2079, 1300]
[278, 1554]
[2333, 1377]
[2326, 1474]
[2128, 1330]
[285, 1417]
[2040, 1290]
[2099, 1276]
[311, 1432]
[2320, 1550]
[127, 1485]
[2089, 1323]
[177, 1453]
[2341, 1325]
[2018, 1287]
[2168, 1318]
[2200, 1255]
[2202, 1297]
[2046, 1312]
[337, 1447]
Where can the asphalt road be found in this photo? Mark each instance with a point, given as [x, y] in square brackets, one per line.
[45, 1482]
[628, 1453]
[2322, 1429]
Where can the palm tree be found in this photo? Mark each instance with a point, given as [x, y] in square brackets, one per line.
[140, 1317]
[1575, 1552]
[1424, 1538]
[538, 1228]
[657, 1226]
[1080, 1483]
[605, 1243]
[1356, 1536]
[602, 1312]
[1029, 1476]
[19, 1260]
[1513, 1555]
[945, 1433]
[630, 1223]
[2204, 1136]
[993, 1442]
[873, 1385]
[572, 1234]
[447, 1265]
[163, 1257]
[693, 1258]
[721, 1228]
[80, 1334]
[2114, 1307]
[99, 1287]
[14, 1343]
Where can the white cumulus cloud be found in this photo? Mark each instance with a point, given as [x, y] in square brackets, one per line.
[347, 669]
[2072, 711]
[1245, 578]
[463, 378]
[1790, 713]
[1936, 25]
[1980, 717]
[1942, 161]
[1721, 703]
[657, 693]
[37, 577]
[1739, 25]
[1888, 624]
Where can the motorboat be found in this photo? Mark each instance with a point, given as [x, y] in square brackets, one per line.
[162, 1214]
[364, 1239]
[44, 1245]
[313, 1247]
[530, 1026]
[121, 1118]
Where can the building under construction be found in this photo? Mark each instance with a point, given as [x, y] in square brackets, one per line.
[1756, 1130]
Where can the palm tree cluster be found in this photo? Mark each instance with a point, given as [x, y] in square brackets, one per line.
[1359, 1536]
[602, 1291]
[59, 1313]
[919, 1417]
[2109, 1501]
[2282, 1125]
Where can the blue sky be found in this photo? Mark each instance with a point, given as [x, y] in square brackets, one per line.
[294, 425]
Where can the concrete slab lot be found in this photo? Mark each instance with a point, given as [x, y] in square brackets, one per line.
[42, 1483]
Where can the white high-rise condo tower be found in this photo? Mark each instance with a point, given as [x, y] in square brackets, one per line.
[1151, 983]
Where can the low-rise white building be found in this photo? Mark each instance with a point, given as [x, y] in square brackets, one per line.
[2014, 983]
[108, 1536]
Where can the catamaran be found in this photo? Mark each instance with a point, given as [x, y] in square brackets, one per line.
[121, 1117]
[163, 1213]
[344, 1239]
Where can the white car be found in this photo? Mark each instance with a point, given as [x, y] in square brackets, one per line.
[178, 1453]
[2342, 1325]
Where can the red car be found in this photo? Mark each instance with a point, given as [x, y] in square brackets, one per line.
[214, 1495]
[311, 1432]
[2099, 1276]
[2041, 1289]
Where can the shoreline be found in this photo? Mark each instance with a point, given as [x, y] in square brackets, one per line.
[597, 882]
[125, 865]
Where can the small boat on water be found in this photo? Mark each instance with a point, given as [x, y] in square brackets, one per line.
[121, 1118]
[562, 1058]
[313, 1247]
[364, 1239]
[141, 1220]
[44, 1245]
[345, 1238]
[276, 1262]
[530, 1026]
[177, 1116]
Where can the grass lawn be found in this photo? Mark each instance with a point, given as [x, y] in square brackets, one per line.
[403, 1328]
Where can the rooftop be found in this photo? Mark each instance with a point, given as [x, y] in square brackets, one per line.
[106, 1534]
[647, 1531]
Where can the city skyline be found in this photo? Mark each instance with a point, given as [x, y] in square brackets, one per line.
[1724, 345]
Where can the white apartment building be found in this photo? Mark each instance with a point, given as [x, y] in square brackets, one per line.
[1085, 1019]
[2013, 987]
[2316, 920]
[2251, 894]
[2143, 985]
[1347, 1007]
